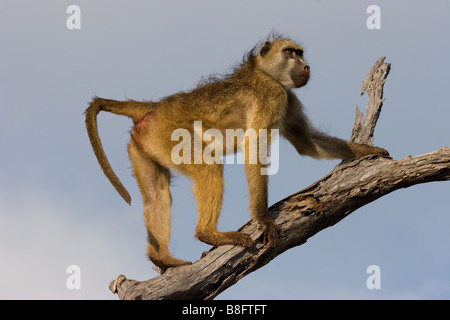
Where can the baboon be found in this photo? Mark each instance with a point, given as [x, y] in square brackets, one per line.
[258, 95]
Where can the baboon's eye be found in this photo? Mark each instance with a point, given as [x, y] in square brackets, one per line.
[292, 53]
[299, 52]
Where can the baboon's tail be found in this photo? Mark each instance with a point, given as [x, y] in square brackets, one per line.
[133, 109]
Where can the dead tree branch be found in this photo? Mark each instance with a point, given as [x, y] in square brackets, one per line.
[349, 186]
[373, 83]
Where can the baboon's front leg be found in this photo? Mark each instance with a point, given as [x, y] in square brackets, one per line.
[208, 189]
[257, 189]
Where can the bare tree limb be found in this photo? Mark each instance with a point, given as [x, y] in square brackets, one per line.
[373, 84]
[346, 188]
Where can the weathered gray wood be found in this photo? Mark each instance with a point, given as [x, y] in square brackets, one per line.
[373, 84]
[300, 216]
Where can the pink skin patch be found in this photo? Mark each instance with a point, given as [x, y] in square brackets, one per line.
[141, 124]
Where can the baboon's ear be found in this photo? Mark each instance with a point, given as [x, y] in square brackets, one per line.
[265, 48]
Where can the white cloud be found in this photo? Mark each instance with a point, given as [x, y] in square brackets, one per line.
[39, 239]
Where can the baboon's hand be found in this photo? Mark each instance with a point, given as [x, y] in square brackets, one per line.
[361, 150]
[381, 151]
[270, 232]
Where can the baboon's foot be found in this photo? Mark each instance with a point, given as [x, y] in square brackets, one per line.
[165, 260]
[217, 238]
[270, 232]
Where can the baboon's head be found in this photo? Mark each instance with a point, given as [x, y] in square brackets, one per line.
[283, 60]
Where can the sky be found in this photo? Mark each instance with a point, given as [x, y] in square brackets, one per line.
[57, 209]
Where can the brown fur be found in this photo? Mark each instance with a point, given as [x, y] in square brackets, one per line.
[257, 95]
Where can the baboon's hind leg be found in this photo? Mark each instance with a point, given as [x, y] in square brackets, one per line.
[153, 180]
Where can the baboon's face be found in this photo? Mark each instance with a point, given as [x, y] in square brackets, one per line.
[283, 60]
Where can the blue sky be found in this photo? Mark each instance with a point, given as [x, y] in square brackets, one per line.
[57, 208]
